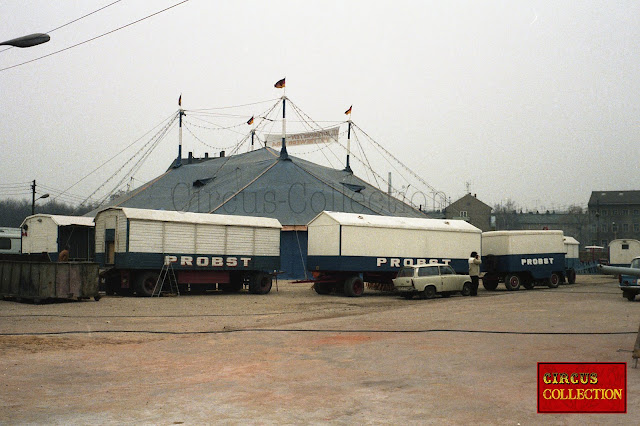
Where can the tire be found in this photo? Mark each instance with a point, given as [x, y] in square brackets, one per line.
[146, 283]
[553, 281]
[490, 282]
[260, 284]
[353, 287]
[512, 282]
[97, 298]
[630, 295]
[571, 276]
[429, 292]
[528, 285]
[322, 288]
[466, 289]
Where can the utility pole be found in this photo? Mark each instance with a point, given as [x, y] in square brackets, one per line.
[33, 198]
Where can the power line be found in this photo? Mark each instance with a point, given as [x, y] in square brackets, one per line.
[94, 38]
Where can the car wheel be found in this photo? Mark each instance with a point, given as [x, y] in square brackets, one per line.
[429, 292]
[512, 282]
[466, 289]
[631, 296]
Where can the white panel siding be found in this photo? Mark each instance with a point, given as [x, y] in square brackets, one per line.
[210, 239]
[42, 236]
[239, 240]
[145, 236]
[324, 237]
[121, 233]
[100, 226]
[522, 242]
[179, 237]
[267, 242]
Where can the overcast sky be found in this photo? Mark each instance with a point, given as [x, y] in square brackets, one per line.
[536, 101]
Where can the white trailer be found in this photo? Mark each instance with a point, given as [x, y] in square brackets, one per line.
[571, 258]
[345, 250]
[10, 241]
[204, 249]
[522, 258]
[623, 251]
[50, 234]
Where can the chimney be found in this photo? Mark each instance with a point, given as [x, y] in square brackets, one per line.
[190, 157]
[221, 153]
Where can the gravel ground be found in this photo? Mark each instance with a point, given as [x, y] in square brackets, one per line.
[293, 356]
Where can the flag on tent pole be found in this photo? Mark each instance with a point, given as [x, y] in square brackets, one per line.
[250, 122]
[348, 112]
[180, 100]
[279, 84]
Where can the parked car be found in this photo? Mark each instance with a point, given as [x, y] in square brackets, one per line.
[429, 280]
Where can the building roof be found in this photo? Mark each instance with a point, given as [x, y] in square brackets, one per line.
[62, 220]
[188, 217]
[260, 183]
[354, 219]
[614, 197]
[458, 205]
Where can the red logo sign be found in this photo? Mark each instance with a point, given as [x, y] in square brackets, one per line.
[582, 387]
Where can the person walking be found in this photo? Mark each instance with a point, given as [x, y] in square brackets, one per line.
[474, 272]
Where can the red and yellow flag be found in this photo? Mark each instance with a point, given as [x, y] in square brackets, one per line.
[250, 122]
[180, 100]
[348, 112]
[279, 84]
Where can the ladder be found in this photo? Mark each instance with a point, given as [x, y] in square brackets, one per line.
[166, 273]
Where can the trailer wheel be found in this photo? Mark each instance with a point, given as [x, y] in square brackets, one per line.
[354, 286]
[553, 281]
[571, 276]
[429, 292]
[260, 284]
[322, 288]
[512, 282]
[466, 289]
[146, 283]
[490, 282]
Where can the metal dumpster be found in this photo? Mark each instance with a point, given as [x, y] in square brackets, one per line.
[47, 280]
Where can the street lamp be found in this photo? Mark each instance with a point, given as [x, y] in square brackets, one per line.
[28, 40]
[33, 203]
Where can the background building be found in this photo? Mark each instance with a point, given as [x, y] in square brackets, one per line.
[612, 215]
[472, 210]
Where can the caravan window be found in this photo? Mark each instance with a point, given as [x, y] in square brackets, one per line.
[5, 243]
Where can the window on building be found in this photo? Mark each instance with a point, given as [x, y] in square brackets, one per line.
[594, 228]
[594, 242]
[604, 228]
[635, 212]
[636, 227]
[604, 243]
[614, 228]
[625, 227]
[625, 247]
[614, 212]
[463, 213]
[625, 212]
[604, 212]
